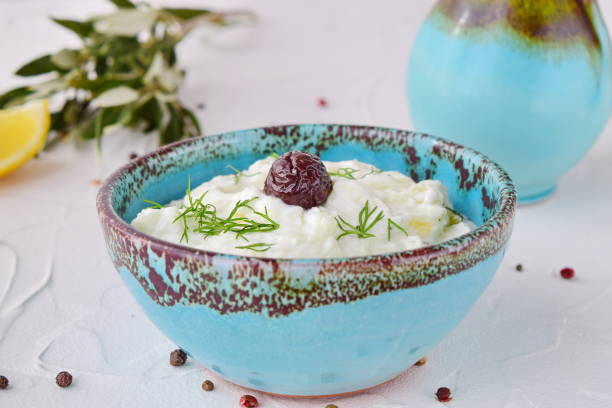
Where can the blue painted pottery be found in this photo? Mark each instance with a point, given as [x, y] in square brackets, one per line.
[308, 327]
[526, 82]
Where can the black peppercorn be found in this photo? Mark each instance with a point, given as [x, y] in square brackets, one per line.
[63, 379]
[421, 362]
[178, 357]
[208, 385]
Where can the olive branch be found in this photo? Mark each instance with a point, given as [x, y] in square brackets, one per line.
[125, 74]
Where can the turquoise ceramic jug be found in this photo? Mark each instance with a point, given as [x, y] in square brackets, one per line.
[527, 82]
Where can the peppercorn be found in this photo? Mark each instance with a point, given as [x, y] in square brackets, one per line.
[519, 268]
[178, 358]
[133, 156]
[63, 379]
[208, 385]
[567, 273]
[248, 401]
[421, 362]
[322, 102]
[443, 394]
[4, 382]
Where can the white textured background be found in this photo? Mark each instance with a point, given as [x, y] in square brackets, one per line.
[533, 340]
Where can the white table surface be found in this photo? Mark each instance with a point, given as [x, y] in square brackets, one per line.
[533, 339]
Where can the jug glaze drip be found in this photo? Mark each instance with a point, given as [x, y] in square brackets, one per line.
[535, 22]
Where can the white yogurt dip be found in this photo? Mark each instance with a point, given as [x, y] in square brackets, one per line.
[410, 215]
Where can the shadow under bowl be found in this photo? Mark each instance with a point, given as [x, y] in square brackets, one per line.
[308, 327]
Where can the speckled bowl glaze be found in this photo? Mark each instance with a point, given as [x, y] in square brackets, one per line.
[308, 327]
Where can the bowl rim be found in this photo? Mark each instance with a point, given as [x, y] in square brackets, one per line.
[501, 218]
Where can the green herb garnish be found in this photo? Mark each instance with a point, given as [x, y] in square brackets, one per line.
[239, 173]
[211, 224]
[259, 247]
[456, 217]
[124, 73]
[274, 155]
[361, 230]
[349, 172]
[344, 172]
[391, 223]
[153, 204]
[373, 170]
[208, 222]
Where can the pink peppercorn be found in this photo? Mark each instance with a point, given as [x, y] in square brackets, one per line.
[248, 401]
[443, 394]
[567, 273]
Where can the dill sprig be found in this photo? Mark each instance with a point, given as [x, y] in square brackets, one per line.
[212, 224]
[154, 204]
[349, 172]
[344, 172]
[187, 210]
[373, 170]
[259, 247]
[239, 173]
[361, 230]
[208, 222]
[391, 223]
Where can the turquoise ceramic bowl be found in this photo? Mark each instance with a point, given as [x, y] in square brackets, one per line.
[526, 82]
[308, 327]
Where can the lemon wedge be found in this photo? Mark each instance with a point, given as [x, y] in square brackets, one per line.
[23, 131]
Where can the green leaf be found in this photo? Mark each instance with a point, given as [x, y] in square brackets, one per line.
[98, 128]
[126, 22]
[173, 130]
[113, 83]
[101, 66]
[170, 55]
[123, 3]
[85, 130]
[150, 113]
[88, 129]
[14, 95]
[47, 88]
[58, 121]
[40, 65]
[82, 29]
[68, 116]
[66, 59]
[194, 121]
[125, 115]
[104, 83]
[94, 127]
[120, 47]
[159, 74]
[186, 13]
[121, 95]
